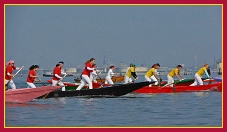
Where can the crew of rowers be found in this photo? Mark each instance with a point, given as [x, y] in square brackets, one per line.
[90, 74]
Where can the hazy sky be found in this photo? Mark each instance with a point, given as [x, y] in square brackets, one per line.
[170, 35]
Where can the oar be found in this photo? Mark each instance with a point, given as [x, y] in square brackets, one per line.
[100, 72]
[13, 76]
[101, 80]
[134, 80]
[209, 80]
[115, 78]
[55, 85]
[61, 79]
[166, 85]
[99, 76]
[159, 79]
[174, 89]
[41, 81]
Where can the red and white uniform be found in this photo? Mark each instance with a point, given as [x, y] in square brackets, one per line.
[30, 80]
[9, 72]
[88, 69]
[86, 76]
[93, 76]
[57, 76]
[8, 76]
[57, 71]
[109, 76]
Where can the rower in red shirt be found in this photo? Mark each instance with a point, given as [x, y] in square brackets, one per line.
[57, 75]
[10, 67]
[32, 75]
[86, 74]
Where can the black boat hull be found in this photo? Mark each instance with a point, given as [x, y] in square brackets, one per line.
[113, 91]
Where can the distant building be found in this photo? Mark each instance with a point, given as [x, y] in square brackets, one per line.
[71, 70]
[219, 67]
[141, 69]
[123, 69]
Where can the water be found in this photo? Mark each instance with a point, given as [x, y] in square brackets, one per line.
[195, 109]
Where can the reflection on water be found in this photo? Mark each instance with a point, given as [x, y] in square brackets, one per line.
[179, 109]
[86, 101]
[60, 100]
[201, 93]
[144, 110]
[28, 104]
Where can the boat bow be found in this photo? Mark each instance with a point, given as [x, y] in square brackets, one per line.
[23, 95]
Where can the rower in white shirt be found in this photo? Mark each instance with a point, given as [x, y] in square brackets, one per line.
[110, 74]
[94, 74]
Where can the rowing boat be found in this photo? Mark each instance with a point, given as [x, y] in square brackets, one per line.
[73, 86]
[217, 79]
[168, 89]
[187, 82]
[23, 95]
[111, 91]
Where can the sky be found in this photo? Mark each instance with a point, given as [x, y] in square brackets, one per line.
[168, 35]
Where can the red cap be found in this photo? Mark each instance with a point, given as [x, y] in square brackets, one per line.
[111, 66]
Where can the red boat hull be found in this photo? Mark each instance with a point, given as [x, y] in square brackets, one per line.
[188, 82]
[23, 95]
[168, 89]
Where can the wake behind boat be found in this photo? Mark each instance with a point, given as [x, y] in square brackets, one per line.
[23, 95]
[111, 91]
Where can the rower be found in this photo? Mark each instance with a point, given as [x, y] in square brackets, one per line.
[56, 79]
[130, 72]
[151, 74]
[172, 73]
[32, 75]
[110, 74]
[10, 67]
[198, 75]
[86, 74]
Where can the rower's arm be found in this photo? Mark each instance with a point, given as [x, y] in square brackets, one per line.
[91, 69]
[94, 73]
[156, 76]
[134, 75]
[9, 74]
[56, 75]
[32, 75]
[178, 76]
[207, 73]
[181, 76]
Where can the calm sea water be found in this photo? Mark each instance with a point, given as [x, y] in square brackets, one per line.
[195, 109]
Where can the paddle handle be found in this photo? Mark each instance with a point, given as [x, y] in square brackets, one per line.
[55, 85]
[100, 78]
[115, 79]
[100, 72]
[61, 79]
[15, 75]
[41, 81]
[167, 85]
